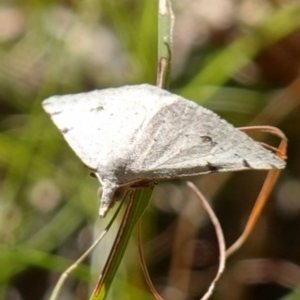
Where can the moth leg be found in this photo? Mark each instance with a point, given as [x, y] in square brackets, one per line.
[266, 188]
[144, 184]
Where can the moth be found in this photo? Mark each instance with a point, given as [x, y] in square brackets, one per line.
[142, 133]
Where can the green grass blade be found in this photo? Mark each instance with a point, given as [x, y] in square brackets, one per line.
[135, 211]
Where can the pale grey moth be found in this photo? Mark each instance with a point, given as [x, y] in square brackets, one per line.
[138, 133]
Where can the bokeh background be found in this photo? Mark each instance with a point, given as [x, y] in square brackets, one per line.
[240, 58]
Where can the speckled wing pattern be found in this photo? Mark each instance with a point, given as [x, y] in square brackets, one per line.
[135, 133]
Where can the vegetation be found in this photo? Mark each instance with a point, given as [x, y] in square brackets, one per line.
[241, 60]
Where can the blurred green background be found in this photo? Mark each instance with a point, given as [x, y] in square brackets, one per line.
[238, 58]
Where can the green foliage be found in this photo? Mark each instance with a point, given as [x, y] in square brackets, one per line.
[47, 198]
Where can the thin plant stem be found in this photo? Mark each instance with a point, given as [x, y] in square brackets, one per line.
[66, 273]
[165, 41]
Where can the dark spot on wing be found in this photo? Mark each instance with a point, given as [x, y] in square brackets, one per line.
[208, 139]
[246, 164]
[56, 113]
[66, 130]
[213, 168]
[98, 108]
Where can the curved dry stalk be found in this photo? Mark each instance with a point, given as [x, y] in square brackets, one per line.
[282, 148]
[144, 264]
[220, 237]
[256, 211]
[265, 190]
[57, 289]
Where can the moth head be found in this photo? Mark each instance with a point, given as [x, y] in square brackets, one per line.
[109, 193]
[119, 195]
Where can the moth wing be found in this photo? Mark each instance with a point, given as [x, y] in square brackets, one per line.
[185, 139]
[101, 126]
[92, 123]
